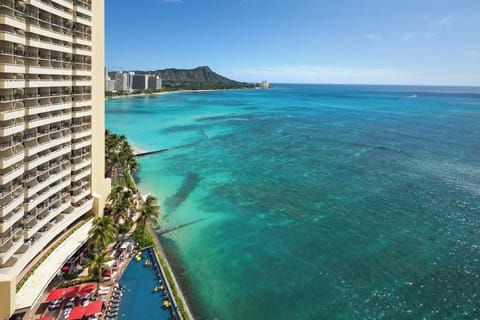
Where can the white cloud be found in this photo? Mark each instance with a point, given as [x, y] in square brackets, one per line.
[372, 36]
[409, 36]
[447, 21]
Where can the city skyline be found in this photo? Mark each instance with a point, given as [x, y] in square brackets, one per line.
[372, 42]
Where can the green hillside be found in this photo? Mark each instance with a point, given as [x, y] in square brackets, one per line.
[196, 79]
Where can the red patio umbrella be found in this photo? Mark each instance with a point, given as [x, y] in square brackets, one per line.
[86, 289]
[93, 308]
[71, 292]
[55, 294]
[77, 313]
[65, 268]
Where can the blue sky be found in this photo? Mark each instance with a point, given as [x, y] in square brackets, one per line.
[433, 42]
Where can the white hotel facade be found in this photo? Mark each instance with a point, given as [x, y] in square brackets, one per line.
[51, 130]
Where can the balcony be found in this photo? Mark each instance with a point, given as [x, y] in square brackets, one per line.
[67, 4]
[50, 9]
[34, 149]
[81, 144]
[82, 113]
[11, 175]
[48, 33]
[83, 10]
[12, 129]
[43, 83]
[82, 41]
[15, 22]
[81, 134]
[48, 45]
[41, 222]
[34, 202]
[83, 21]
[82, 72]
[82, 174]
[48, 120]
[7, 161]
[82, 208]
[36, 109]
[7, 223]
[10, 247]
[82, 103]
[30, 192]
[6, 191]
[82, 83]
[12, 68]
[36, 69]
[9, 207]
[77, 197]
[11, 110]
[12, 83]
[84, 52]
[12, 37]
[50, 156]
[81, 164]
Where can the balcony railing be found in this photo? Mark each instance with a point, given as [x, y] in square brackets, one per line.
[9, 160]
[30, 192]
[51, 9]
[13, 218]
[6, 208]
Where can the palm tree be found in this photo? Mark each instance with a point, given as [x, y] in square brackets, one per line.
[98, 265]
[149, 211]
[119, 156]
[122, 201]
[103, 232]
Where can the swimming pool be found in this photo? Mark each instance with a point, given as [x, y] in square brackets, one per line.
[140, 300]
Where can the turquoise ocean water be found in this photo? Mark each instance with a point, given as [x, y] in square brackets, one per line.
[316, 202]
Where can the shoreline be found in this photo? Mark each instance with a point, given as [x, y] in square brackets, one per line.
[170, 92]
[169, 274]
[164, 260]
[136, 149]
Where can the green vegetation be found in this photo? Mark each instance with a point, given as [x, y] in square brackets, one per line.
[103, 232]
[201, 78]
[144, 239]
[149, 211]
[98, 264]
[76, 282]
[119, 157]
[122, 200]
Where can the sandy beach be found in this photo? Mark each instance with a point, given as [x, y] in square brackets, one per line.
[137, 149]
[169, 92]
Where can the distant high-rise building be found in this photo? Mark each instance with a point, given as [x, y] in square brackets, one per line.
[140, 81]
[123, 81]
[265, 84]
[154, 82]
[110, 85]
[51, 131]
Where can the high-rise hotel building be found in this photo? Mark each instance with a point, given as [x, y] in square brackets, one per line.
[51, 128]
